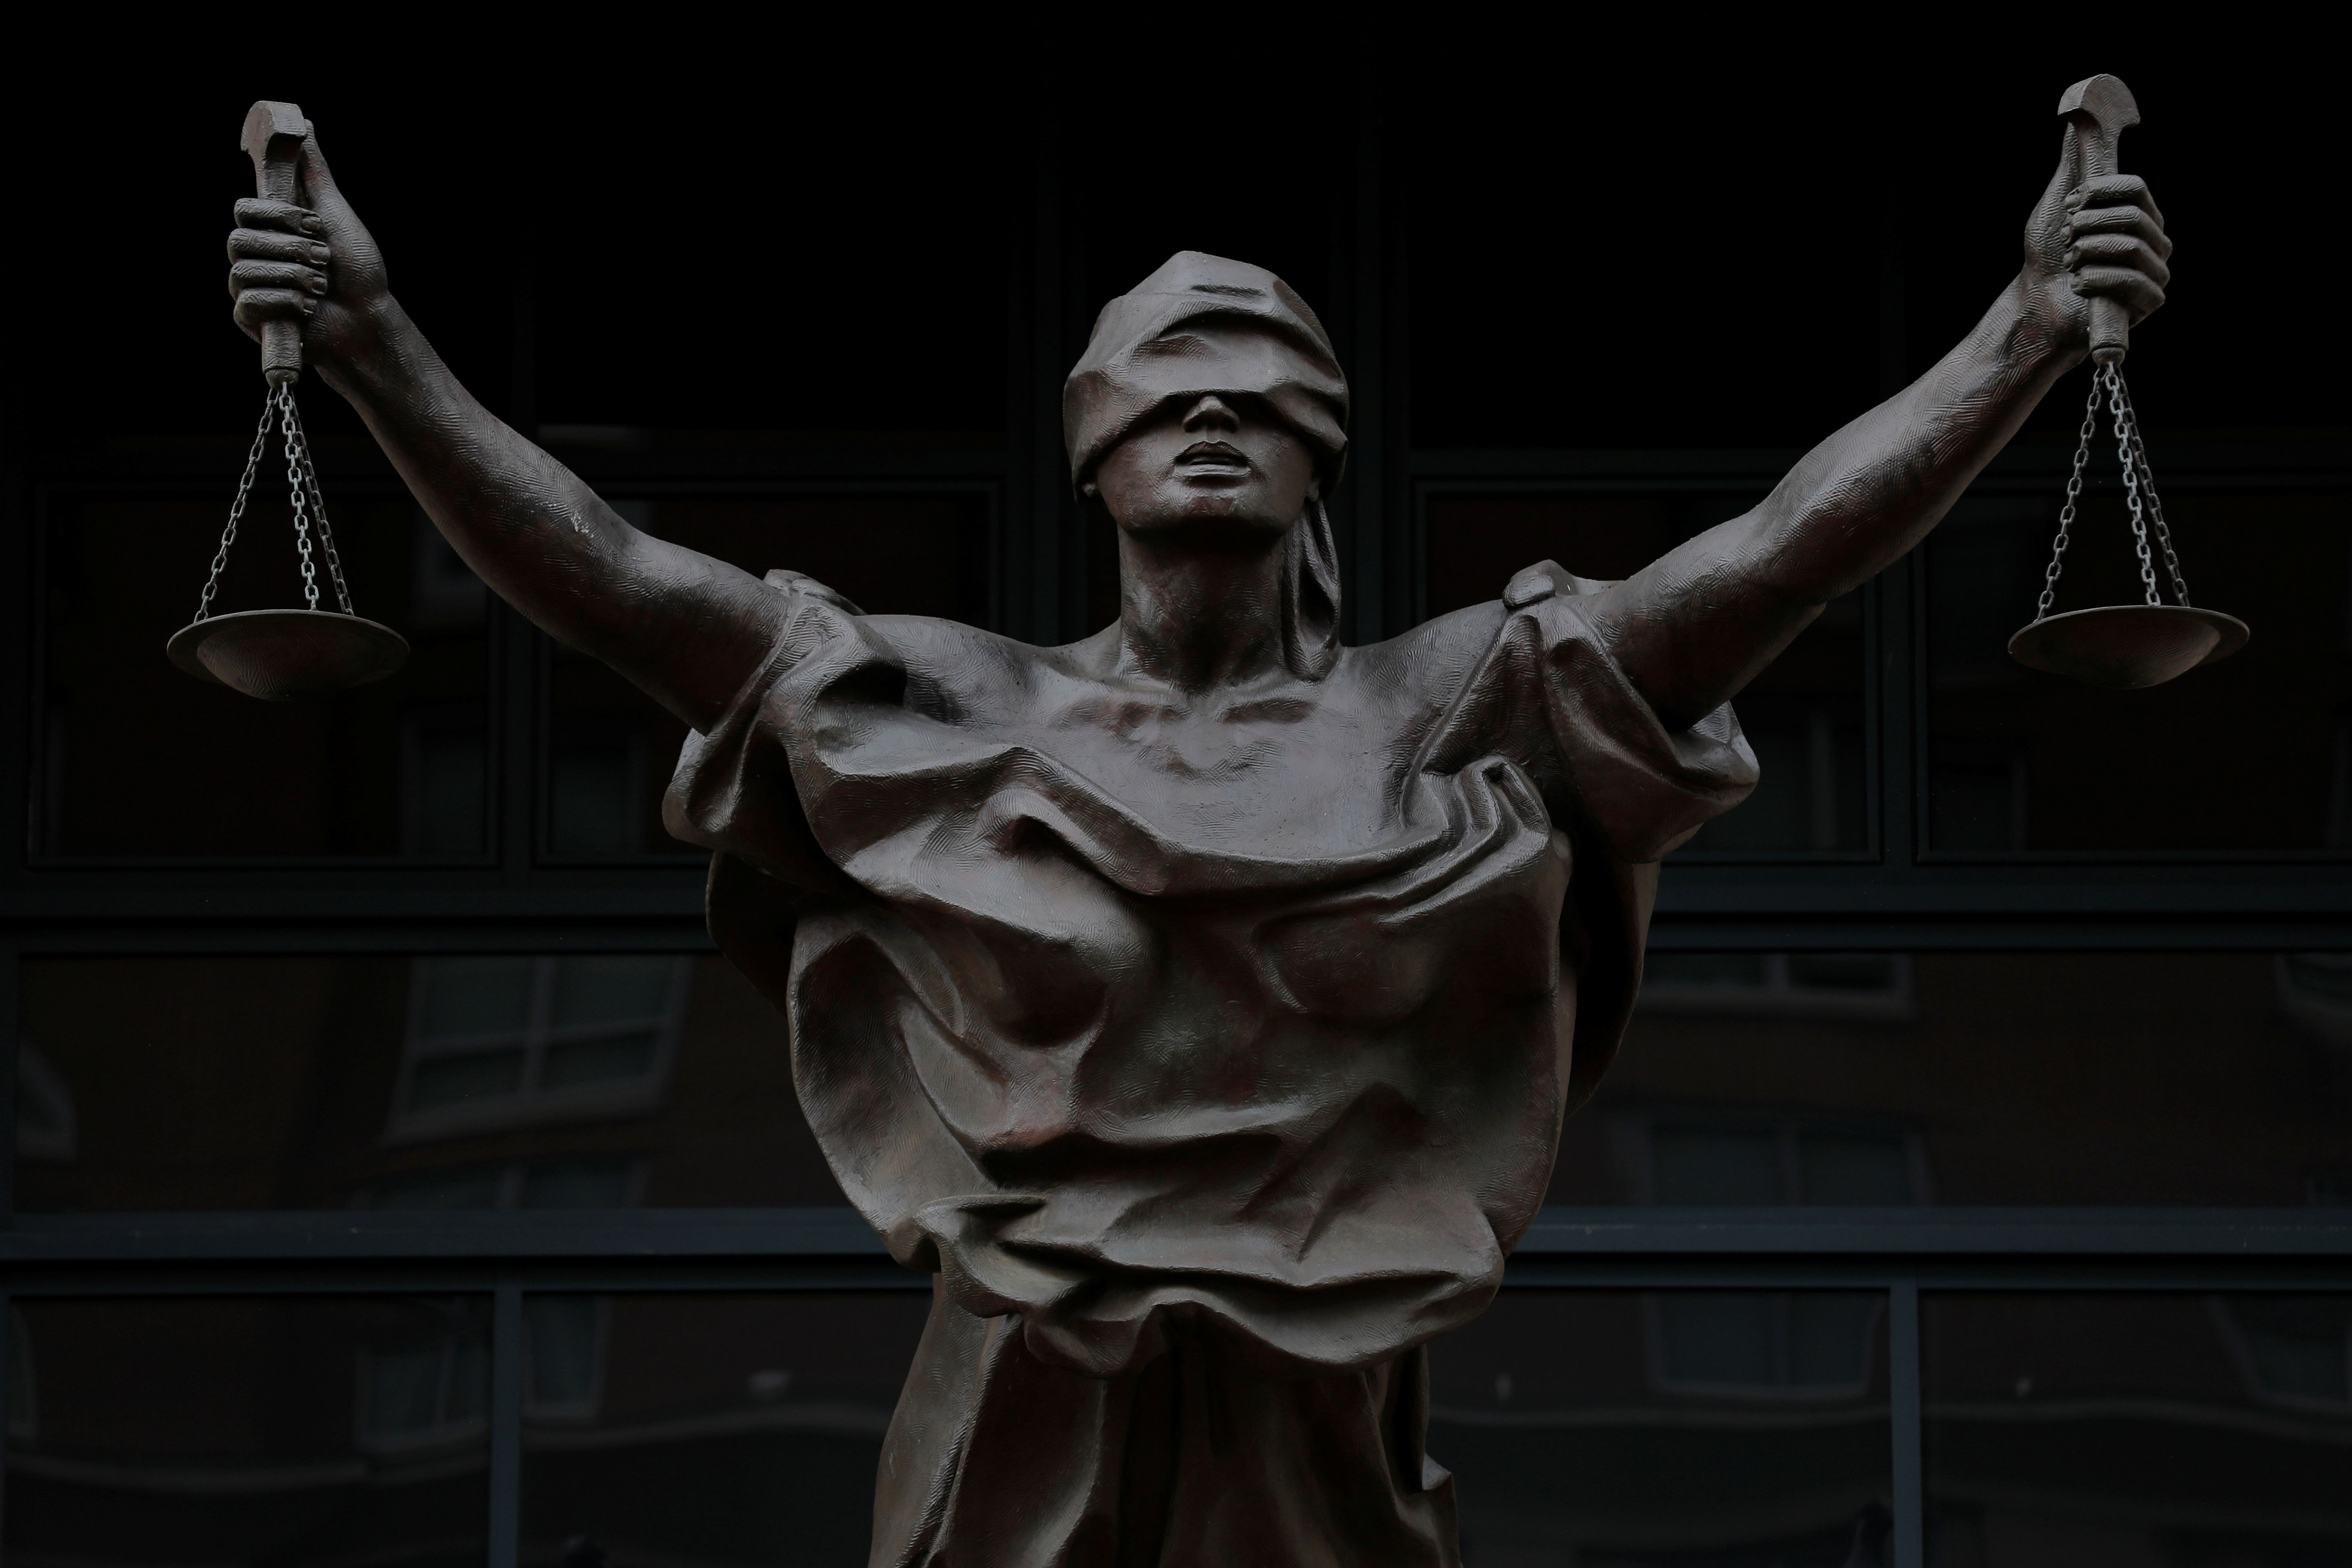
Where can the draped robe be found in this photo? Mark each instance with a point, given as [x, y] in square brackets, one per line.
[1213, 1062]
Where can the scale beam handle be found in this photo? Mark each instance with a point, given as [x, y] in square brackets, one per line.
[274, 134]
[2099, 108]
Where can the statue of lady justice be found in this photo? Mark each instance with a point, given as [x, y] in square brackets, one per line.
[1199, 1002]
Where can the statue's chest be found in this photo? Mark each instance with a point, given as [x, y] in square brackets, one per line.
[1280, 776]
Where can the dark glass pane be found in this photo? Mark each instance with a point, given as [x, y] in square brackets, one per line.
[611, 748]
[1546, 313]
[581, 1080]
[1123, 228]
[294, 1430]
[2138, 1430]
[1877, 1079]
[882, 290]
[2253, 754]
[1742, 1428]
[137, 759]
[1803, 715]
[1539, 320]
[708, 1428]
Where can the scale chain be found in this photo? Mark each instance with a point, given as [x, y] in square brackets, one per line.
[2114, 386]
[2147, 487]
[299, 452]
[236, 509]
[301, 502]
[2066, 512]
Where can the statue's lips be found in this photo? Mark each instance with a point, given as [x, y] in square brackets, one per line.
[1213, 458]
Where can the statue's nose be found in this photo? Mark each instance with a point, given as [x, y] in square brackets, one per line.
[1211, 413]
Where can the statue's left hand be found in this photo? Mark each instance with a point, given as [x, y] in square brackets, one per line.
[2105, 238]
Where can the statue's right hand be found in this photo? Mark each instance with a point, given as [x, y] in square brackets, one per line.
[315, 264]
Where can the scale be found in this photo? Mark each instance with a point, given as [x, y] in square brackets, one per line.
[280, 655]
[2120, 647]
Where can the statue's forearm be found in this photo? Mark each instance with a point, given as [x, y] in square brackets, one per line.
[684, 627]
[1874, 490]
[1695, 626]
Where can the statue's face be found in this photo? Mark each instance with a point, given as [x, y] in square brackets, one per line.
[1221, 468]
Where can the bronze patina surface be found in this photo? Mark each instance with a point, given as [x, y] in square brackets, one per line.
[1199, 1002]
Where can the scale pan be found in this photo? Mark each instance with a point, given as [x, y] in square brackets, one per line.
[280, 655]
[2124, 646]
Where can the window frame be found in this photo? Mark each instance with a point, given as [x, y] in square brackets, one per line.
[1895, 896]
[533, 1104]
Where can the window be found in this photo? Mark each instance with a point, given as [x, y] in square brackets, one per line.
[1721, 1161]
[577, 1183]
[2294, 1350]
[499, 1040]
[397, 1009]
[1764, 1345]
[428, 1383]
[1863, 985]
[45, 1125]
[24, 1403]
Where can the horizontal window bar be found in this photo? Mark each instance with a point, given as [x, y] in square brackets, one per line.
[709, 1235]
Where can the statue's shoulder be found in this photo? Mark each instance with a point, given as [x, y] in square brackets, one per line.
[1447, 645]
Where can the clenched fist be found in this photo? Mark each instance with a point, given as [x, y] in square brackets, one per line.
[315, 264]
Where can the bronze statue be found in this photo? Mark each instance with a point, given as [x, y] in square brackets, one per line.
[1200, 1001]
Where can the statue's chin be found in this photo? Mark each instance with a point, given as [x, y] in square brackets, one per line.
[1211, 521]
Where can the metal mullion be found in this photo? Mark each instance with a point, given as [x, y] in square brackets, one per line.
[7, 1355]
[11, 995]
[534, 1029]
[1373, 569]
[506, 1423]
[1904, 1412]
[511, 807]
[1901, 713]
[619, 1277]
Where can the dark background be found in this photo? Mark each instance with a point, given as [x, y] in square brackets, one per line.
[1987, 957]
[1612, 243]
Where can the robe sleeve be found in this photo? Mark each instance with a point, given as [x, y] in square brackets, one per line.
[733, 794]
[1625, 790]
[1642, 788]
[733, 791]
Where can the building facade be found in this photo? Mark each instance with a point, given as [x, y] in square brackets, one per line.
[400, 1177]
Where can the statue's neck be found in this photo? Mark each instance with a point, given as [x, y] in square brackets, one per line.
[1199, 618]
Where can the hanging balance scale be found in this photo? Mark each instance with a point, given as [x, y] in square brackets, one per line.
[280, 655]
[2122, 647]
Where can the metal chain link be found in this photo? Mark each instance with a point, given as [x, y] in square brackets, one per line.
[301, 501]
[2115, 387]
[299, 450]
[2148, 489]
[237, 508]
[2066, 512]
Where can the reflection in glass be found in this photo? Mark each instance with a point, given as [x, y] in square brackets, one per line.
[294, 1430]
[611, 748]
[708, 1428]
[501, 1040]
[579, 1080]
[395, 768]
[2250, 754]
[2140, 1428]
[1803, 715]
[1681, 1426]
[1877, 1079]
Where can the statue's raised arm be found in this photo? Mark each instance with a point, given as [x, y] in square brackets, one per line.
[686, 628]
[1696, 625]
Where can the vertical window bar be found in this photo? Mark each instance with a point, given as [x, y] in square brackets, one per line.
[511, 803]
[7, 1355]
[1903, 1410]
[506, 1425]
[8, 1012]
[1901, 667]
